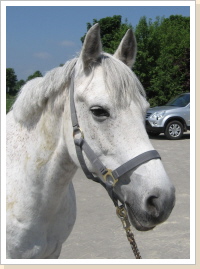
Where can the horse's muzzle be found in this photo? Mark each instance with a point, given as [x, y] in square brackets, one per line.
[155, 209]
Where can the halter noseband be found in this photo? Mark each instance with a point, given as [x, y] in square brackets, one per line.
[110, 177]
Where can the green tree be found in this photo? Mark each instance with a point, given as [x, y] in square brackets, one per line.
[172, 72]
[148, 50]
[163, 62]
[112, 31]
[11, 80]
[34, 75]
[19, 84]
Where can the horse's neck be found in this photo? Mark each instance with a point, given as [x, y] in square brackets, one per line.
[51, 153]
[40, 165]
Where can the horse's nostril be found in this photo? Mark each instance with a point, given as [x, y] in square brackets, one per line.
[152, 204]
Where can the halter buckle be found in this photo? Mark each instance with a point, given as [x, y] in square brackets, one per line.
[109, 174]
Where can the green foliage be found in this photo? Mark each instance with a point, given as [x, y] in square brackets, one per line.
[163, 60]
[11, 80]
[34, 75]
[19, 84]
[112, 31]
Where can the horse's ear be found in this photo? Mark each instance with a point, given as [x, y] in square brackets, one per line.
[126, 52]
[92, 46]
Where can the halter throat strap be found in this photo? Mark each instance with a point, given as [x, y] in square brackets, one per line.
[109, 177]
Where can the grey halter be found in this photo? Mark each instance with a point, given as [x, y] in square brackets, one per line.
[110, 177]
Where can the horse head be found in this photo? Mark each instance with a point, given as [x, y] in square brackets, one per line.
[110, 107]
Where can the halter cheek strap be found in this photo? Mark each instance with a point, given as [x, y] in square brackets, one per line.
[110, 177]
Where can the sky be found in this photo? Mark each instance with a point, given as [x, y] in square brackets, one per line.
[43, 37]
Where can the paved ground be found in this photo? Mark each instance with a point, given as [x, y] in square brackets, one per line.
[98, 233]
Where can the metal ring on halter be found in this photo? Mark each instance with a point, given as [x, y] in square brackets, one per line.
[122, 214]
[76, 131]
[109, 174]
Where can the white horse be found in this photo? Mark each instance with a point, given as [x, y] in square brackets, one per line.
[41, 157]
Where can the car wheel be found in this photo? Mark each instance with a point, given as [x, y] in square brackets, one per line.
[174, 130]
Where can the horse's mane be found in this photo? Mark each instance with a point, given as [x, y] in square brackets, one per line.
[35, 94]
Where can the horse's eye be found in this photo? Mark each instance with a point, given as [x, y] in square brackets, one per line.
[99, 112]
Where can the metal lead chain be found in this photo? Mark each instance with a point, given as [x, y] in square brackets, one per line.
[122, 214]
[133, 244]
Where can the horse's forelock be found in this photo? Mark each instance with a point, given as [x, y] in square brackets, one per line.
[121, 81]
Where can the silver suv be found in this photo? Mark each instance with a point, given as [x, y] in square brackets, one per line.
[171, 119]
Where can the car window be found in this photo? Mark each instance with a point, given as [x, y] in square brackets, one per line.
[180, 101]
